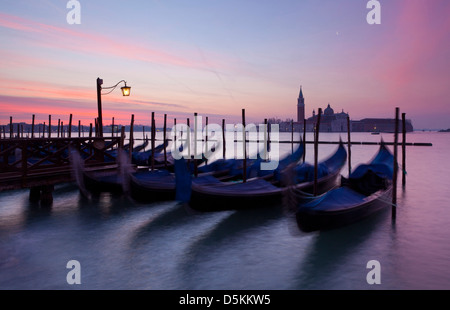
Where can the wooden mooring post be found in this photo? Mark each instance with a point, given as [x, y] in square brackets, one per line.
[394, 178]
[42, 194]
[244, 139]
[49, 126]
[292, 136]
[70, 126]
[130, 150]
[164, 140]
[266, 142]
[304, 140]
[188, 132]
[224, 142]
[11, 127]
[206, 140]
[404, 149]
[32, 126]
[195, 144]
[349, 146]
[316, 152]
[153, 134]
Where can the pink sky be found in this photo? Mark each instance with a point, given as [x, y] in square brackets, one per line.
[249, 58]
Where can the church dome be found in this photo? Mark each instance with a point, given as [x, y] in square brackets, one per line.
[328, 111]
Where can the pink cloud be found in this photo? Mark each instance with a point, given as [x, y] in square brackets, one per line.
[64, 38]
[412, 58]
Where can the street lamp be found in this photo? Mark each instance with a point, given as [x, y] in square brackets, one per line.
[126, 90]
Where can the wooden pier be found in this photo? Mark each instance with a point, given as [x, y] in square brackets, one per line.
[40, 163]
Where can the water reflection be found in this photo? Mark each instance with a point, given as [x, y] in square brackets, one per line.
[333, 248]
[232, 228]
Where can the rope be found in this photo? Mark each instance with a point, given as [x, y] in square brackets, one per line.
[388, 202]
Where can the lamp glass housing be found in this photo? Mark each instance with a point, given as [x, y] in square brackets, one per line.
[126, 90]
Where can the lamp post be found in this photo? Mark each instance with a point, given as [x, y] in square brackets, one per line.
[126, 90]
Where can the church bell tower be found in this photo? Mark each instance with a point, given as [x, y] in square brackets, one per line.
[300, 107]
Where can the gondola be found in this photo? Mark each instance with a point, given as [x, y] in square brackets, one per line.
[210, 194]
[144, 158]
[115, 181]
[367, 190]
[161, 184]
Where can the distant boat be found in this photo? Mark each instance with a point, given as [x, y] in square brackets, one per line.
[375, 133]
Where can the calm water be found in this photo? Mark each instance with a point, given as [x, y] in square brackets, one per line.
[123, 245]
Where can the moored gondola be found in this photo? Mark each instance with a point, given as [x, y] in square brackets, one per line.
[366, 191]
[267, 190]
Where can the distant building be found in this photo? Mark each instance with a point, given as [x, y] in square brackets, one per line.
[336, 122]
[300, 107]
[379, 125]
[329, 121]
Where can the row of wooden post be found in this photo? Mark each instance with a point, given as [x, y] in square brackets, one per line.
[316, 141]
[60, 130]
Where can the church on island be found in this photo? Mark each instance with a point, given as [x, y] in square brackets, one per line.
[335, 122]
[329, 121]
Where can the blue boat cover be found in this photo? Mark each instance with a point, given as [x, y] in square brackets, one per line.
[305, 171]
[183, 181]
[156, 176]
[365, 180]
[251, 187]
[382, 165]
[336, 199]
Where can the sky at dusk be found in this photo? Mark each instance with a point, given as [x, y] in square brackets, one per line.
[219, 57]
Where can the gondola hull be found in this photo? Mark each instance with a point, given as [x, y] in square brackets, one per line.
[256, 193]
[215, 199]
[203, 199]
[145, 193]
[309, 220]
[366, 191]
[106, 182]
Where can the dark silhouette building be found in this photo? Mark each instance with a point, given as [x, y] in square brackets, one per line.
[337, 122]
